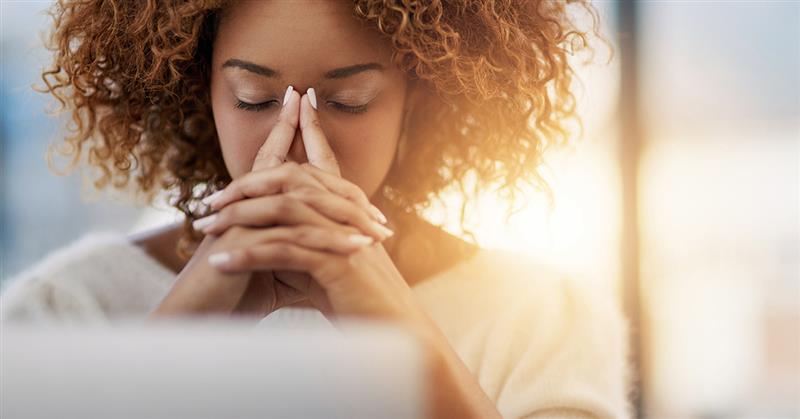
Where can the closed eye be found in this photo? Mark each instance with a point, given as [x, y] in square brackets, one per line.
[348, 108]
[255, 107]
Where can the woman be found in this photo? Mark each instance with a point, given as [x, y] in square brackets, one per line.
[301, 139]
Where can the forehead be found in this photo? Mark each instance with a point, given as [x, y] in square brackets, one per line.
[302, 38]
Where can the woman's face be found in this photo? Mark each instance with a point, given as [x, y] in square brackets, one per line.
[262, 47]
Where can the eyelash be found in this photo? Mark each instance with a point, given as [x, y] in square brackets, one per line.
[256, 107]
[349, 109]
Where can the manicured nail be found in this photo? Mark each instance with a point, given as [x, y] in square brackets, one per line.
[216, 259]
[379, 214]
[211, 198]
[312, 97]
[359, 239]
[385, 232]
[204, 222]
[287, 94]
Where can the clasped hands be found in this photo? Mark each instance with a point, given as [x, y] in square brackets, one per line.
[286, 232]
[302, 231]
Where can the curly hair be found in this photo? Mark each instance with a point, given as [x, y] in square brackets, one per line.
[134, 76]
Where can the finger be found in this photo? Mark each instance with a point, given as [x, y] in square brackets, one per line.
[263, 211]
[273, 151]
[264, 182]
[270, 256]
[341, 210]
[317, 238]
[343, 241]
[318, 150]
[345, 188]
[302, 206]
[289, 176]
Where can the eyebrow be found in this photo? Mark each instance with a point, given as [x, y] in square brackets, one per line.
[340, 73]
[337, 73]
[251, 67]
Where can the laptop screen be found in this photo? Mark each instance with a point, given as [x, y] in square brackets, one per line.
[209, 369]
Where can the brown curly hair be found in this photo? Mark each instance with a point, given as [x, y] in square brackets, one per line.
[134, 75]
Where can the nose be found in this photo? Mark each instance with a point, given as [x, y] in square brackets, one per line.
[297, 151]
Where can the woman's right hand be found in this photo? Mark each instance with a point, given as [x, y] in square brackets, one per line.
[198, 290]
[301, 209]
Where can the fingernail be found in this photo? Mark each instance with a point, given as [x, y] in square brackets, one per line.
[204, 222]
[359, 239]
[216, 259]
[287, 94]
[312, 97]
[386, 232]
[211, 198]
[379, 214]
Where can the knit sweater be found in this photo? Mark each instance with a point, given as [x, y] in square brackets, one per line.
[540, 345]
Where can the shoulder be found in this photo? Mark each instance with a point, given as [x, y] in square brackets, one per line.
[527, 285]
[503, 288]
[539, 340]
[494, 281]
[97, 275]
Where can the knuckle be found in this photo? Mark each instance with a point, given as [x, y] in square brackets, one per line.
[233, 187]
[304, 233]
[257, 187]
[292, 169]
[246, 256]
[274, 160]
[359, 217]
[282, 253]
[246, 178]
[284, 204]
[236, 231]
[354, 192]
[341, 266]
[228, 215]
[329, 158]
[305, 193]
[348, 230]
[350, 262]
[284, 174]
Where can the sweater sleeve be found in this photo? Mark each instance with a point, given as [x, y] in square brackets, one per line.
[95, 279]
[36, 299]
[567, 355]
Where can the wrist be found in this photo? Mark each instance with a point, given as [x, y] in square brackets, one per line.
[453, 389]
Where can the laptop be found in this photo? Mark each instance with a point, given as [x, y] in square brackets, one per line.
[211, 368]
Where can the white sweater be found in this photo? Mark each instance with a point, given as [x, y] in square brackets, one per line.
[540, 345]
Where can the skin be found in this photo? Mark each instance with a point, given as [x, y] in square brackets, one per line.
[311, 39]
[300, 169]
[307, 40]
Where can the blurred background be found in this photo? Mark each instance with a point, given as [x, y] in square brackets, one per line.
[681, 197]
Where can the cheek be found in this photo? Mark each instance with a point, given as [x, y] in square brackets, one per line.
[240, 133]
[365, 147]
